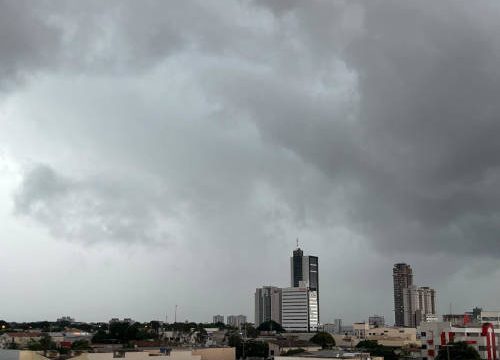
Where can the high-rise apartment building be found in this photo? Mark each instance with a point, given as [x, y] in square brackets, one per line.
[419, 303]
[267, 304]
[218, 319]
[402, 275]
[236, 320]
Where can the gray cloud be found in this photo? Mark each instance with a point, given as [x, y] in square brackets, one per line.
[91, 210]
[229, 129]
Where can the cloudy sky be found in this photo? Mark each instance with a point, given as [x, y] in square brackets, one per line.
[157, 153]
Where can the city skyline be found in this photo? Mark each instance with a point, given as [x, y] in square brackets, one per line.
[156, 155]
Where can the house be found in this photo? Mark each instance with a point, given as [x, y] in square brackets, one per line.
[18, 339]
[281, 346]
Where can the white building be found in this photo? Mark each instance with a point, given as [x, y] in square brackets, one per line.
[299, 309]
[436, 335]
[492, 317]
[418, 304]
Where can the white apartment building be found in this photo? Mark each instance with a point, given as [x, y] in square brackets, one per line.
[299, 309]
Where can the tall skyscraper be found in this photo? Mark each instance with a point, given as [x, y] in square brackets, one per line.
[300, 302]
[267, 304]
[304, 268]
[402, 275]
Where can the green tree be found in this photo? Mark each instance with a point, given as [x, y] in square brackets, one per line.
[458, 351]
[324, 339]
[250, 331]
[377, 350]
[80, 345]
[271, 325]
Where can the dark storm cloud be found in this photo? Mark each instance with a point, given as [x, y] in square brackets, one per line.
[424, 148]
[393, 104]
[27, 41]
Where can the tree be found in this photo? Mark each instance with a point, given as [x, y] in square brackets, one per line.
[375, 349]
[324, 339]
[80, 345]
[458, 351]
[250, 331]
[271, 325]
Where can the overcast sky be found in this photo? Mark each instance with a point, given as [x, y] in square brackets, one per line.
[156, 153]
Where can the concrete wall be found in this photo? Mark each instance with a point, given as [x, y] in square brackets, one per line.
[216, 353]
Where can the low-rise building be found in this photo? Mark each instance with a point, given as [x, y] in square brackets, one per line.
[219, 353]
[330, 354]
[282, 346]
[376, 320]
[437, 335]
[393, 336]
[18, 339]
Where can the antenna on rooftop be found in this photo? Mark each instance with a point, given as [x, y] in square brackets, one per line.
[297, 243]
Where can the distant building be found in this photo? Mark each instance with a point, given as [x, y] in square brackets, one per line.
[236, 320]
[333, 328]
[66, 319]
[376, 320]
[19, 339]
[360, 330]
[267, 304]
[402, 275]
[218, 319]
[302, 304]
[492, 317]
[419, 305]
[304, 268]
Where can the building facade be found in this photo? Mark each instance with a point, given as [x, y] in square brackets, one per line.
[419, 304]
[402, 275]
[218, 319]
[299, 311]
[267, 304]
[376, 320]
[236, 320]
[435, 336]
[304, 268]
